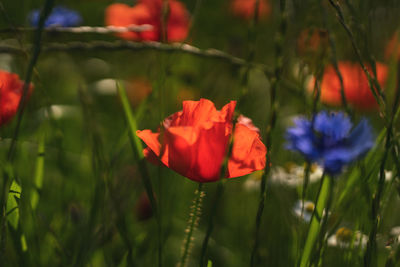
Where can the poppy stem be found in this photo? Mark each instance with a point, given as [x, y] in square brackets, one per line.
[192, 223]
[316, 219]
[218, 194]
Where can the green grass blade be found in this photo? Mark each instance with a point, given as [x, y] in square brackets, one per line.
[39, 171]
[316, 220]
[138, 151]
[12, 212]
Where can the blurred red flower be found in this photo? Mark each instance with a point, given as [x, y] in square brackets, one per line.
[312, 41]
[355, 83]
[194, 142]
[150, 12]
[11, 88]
[245, 8]
[143, 209]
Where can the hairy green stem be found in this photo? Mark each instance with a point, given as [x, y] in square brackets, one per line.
[210, 227]
[192, 223]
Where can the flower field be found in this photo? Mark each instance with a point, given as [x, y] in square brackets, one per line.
[181, 133]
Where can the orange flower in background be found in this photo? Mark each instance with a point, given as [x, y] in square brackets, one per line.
[195, 141]
[311, 41]
[355, 82]
[137, 89]
[11, 88]
[150, 12]
[245, 8]
[393, 44]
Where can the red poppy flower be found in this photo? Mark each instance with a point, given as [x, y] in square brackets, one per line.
[195, 141]
[245, 8]
[150, 12]
[355, 82]
[10, 95]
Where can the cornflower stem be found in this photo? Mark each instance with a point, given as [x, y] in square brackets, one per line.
[370, 257]
[275, 83]
[306, 181]
[316, 100]
[210, 227]
[192, 223]
[324, 193]
[321, 245]
[21, 107]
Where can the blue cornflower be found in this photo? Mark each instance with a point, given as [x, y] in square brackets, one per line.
[329, 140]
[60, 16]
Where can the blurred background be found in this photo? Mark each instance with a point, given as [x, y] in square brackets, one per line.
[91, 208]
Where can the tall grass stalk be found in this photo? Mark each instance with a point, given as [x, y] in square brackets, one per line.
[334, 60]
[39, 170]
[10, 155]
[373, 82]
[101, 175]
[370, 257]
[275, 84]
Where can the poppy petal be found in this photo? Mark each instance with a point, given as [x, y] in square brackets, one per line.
[248, 153]
[151, 140]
